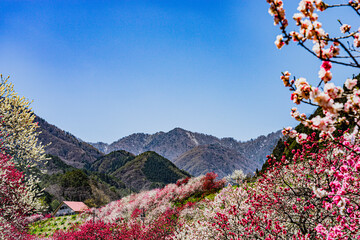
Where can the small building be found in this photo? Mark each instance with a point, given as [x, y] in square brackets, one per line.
[70, 208]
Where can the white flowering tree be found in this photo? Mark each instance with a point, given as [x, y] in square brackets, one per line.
[20, 150]
[236, 177]
[18, 131]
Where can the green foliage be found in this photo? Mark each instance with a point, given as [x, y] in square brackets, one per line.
[54, 163]
[158, 169]
[106, 178]
[110, 162]
[76, 178]
[197, 197]
[47, 227]
[80, 185]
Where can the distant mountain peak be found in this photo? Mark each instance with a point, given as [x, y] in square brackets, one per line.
[178, 129]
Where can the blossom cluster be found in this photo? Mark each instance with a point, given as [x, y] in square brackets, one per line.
[335, 101]
[315, 196]
[311, 29]
[321, 182]
[147, 215]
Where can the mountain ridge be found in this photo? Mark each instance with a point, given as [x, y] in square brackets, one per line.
[178, 143]
[66, 146]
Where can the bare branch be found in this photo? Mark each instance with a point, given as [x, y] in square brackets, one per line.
[349, 53]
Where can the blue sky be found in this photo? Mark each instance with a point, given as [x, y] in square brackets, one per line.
[105, 69]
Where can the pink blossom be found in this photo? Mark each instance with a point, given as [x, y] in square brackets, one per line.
[324, 75]
[350, 83]
[279, 41]
[333, 91]
[345, 28]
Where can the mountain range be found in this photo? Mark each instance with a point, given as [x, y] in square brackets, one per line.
[143, 161]
[199, 153]
[196, 153]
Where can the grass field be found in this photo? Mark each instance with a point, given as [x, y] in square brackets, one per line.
[47, 227]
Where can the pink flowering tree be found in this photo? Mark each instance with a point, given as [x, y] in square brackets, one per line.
[220, 218]
[314, 194]
[343, 49]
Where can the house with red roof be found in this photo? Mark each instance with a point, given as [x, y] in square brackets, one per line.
[70, 208]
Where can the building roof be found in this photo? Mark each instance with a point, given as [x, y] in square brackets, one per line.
[76, 206]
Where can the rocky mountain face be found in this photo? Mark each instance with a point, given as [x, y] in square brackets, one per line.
[213, 158]
[186, 148]
[67, 147]
[257, 149]
[170, 145]
[102, 147]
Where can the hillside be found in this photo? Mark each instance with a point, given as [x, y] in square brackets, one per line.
[112, 161]
[78, 171]
[145, 171]
[54, 165]
[95, 189]
[67, 147]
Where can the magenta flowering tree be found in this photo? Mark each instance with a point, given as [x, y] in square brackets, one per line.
[20, 149]
[90, 230]
[315, 196]
[15, 201]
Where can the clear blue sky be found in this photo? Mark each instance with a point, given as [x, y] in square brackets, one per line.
[105, 69]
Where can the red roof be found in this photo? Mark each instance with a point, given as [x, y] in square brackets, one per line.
[76, 206]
